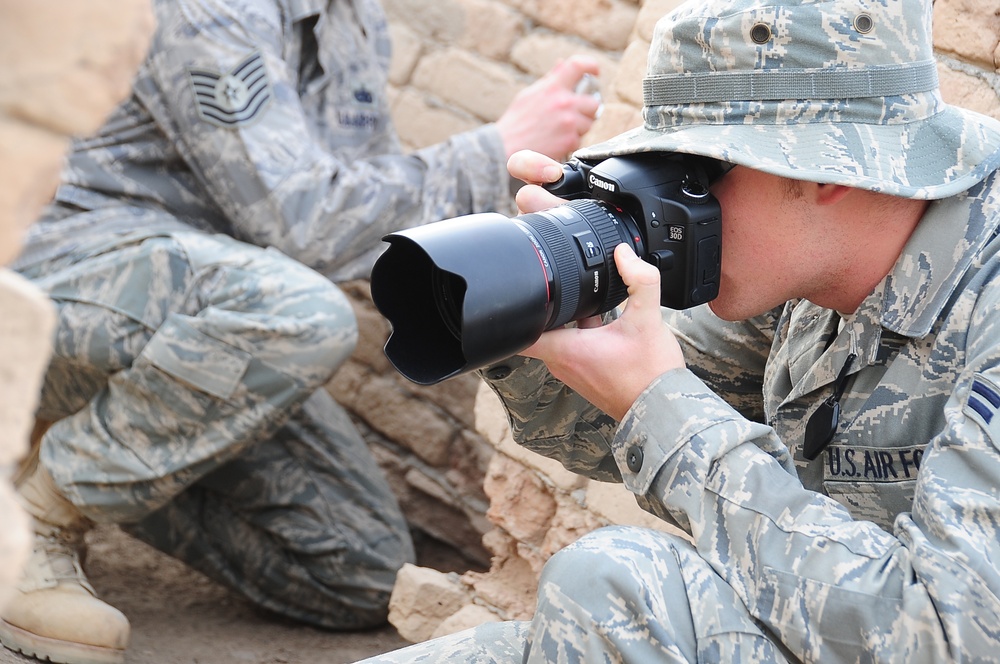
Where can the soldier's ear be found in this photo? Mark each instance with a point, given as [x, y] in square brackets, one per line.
[827, 194]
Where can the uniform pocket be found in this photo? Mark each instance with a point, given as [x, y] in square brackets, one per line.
[823, 622]
[205, 363]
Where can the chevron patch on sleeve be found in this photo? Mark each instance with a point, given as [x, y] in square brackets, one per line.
[234, 98]
[984, 402]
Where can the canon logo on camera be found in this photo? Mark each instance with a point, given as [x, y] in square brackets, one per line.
[603, 184]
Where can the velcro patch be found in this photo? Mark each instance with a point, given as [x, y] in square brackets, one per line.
[983, 402]
[233, 98]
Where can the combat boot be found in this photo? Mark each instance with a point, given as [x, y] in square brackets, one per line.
[54, 614]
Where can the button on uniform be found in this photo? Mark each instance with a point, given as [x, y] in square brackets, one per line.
[633, 458]
[498, 372]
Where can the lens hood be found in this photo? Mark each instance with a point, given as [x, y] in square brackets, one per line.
[460, 294]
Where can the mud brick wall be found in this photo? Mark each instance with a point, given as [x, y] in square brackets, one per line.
[447, 447]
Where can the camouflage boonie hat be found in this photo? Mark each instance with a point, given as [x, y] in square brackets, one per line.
[835, 91]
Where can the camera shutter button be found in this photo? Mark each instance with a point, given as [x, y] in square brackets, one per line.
[633, 458]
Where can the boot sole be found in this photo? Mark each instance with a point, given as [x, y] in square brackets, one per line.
[55, 650]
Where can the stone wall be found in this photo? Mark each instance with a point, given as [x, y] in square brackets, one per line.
[447, 447]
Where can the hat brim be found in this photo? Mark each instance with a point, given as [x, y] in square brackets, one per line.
[932, 158]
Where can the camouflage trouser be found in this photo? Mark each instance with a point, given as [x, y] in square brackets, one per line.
[619, 594]
[187, 393]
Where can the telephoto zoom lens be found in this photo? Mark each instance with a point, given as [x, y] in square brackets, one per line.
[465, 292]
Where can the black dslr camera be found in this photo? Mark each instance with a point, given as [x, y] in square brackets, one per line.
[466, 292]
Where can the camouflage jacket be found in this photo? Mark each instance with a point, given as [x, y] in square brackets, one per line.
[268, 120]
[888, 543]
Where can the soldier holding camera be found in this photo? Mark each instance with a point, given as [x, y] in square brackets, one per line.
[825, 430]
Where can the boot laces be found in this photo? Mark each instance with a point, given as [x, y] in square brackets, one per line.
[60, 551]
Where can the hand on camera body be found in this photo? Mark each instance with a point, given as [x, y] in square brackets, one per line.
[609, 365]
[549, 116]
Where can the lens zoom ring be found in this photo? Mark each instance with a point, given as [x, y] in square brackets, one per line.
[565, 267]
[610, 236]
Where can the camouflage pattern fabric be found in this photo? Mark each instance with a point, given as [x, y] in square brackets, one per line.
[186, 390]
[486, 644]
[187, 382]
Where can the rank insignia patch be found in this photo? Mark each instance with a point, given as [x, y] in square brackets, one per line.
[984, 400]
[234, 98]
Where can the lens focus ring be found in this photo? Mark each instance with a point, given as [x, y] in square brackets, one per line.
[564, 265]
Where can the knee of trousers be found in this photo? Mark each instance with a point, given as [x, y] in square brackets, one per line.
[616, 561]
[281, 312]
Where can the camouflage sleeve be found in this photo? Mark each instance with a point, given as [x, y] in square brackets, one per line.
[550, 419]
[278, 184]
[729, 357]
[828, 586]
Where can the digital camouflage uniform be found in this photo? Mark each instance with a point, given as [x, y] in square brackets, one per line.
[885, 547]
[186, 386]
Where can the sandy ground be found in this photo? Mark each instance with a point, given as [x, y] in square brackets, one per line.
[180, 617]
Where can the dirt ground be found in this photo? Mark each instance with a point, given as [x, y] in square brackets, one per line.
[180, 617]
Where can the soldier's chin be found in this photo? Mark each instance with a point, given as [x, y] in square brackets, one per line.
[732, 308]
